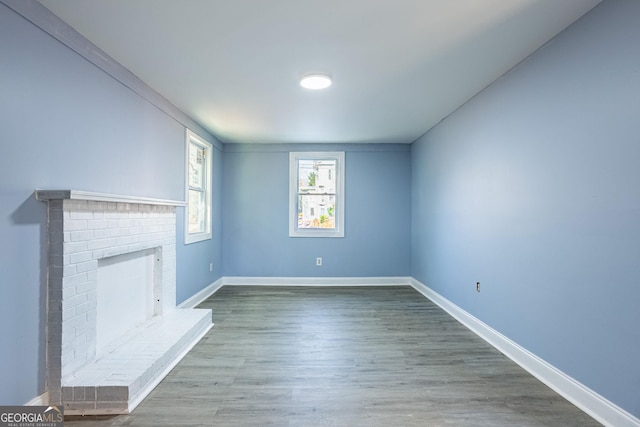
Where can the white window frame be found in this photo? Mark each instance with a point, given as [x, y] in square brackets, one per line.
[339, 212]
[193, 139]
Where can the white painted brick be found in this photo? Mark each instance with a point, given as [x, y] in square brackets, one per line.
[101, 233]
[87, 266]
[80, 215]
[68, 339]
[72, 281]
[79, 236]
[106, 253]
[136, 229]
[68, 328]
[98, 244]
[71, 303]
[108, 215]
[75, 224]
[125, 240]
[98, 207]
[71, 205]
[92, 317]
[125, 223]
[78, 257]
[73, 247]
[137, 247]
[87, 306]
[92, 276]
[92, 294]
[68, 292]
[84, 287]
[69, 270]
[114, 232]
[98, 224]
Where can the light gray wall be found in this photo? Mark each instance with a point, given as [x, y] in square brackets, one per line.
[66, 124]
[255, 211]
[532, 188]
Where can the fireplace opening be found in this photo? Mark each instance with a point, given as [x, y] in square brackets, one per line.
[126, 295]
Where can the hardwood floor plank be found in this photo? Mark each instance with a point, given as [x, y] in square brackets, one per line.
[343, 356]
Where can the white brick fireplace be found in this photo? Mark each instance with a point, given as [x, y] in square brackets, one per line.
[113, 328]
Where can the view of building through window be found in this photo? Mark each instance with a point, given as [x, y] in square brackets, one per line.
[316, 193]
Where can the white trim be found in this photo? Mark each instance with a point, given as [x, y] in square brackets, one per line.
[42, 400]
[598, 407]
[193, 138]
[200, 296]
[46, 195]
[317, 281]
[339, 217]
[214, 287]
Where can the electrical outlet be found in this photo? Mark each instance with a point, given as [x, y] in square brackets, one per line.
[478, 286]
[319, 261]
[210, 266]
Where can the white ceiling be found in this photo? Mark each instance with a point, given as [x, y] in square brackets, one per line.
[398, 67]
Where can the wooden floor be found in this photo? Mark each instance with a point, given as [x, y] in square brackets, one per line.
[343, 356]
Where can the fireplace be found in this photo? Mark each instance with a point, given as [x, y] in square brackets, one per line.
[113, 329]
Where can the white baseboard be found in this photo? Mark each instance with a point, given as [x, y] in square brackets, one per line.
[42, 400]
[205, 293]
[318, 281]
[601, 409]
[202, 295]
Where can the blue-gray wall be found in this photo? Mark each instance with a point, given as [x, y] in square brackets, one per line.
[256, 206]
[533, 189]
[65, 124]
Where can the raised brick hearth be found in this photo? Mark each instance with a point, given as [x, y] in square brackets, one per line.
[84, 229]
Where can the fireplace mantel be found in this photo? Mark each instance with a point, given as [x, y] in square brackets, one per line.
[85, 229]
[45, 195]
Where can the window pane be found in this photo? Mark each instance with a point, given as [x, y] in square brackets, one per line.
[316, 176]
[197, 212]
[198, 159]
[316, 194]
[196, 166]
[316, 211]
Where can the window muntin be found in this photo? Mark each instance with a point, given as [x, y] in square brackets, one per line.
[316, 204]
[198, 168]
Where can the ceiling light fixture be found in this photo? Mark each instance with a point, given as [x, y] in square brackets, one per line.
[315, 81]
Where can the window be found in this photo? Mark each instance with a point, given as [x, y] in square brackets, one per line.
[316, 194]
[198, 213]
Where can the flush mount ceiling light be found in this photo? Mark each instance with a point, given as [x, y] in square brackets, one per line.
[315, 81]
